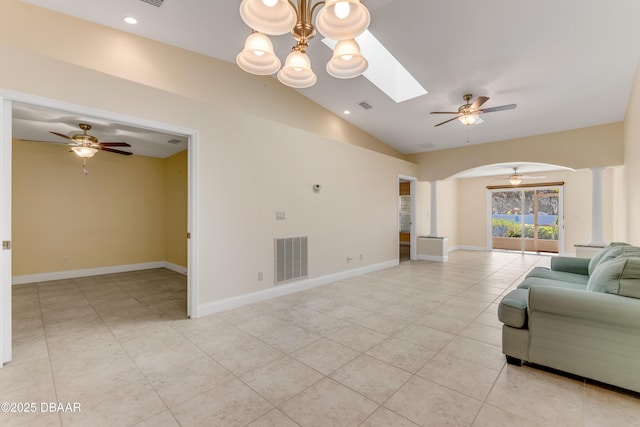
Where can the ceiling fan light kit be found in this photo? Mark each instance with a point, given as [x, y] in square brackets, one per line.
[341, 20]
[468, 113]
[515, 179]
[84, 151]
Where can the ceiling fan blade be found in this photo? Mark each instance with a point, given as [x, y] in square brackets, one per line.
[61, 135]
[48, 142]
[446, 121]
[500, 108]
[114, 144]
[445, 112]
[112, 150]
[478, 102]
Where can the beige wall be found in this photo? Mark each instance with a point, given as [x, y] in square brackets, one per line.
[597, 146]
[65, 220]
[273, 151]
[176, 205]
[632, 162]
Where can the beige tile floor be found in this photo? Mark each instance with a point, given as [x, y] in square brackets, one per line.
[417, 344]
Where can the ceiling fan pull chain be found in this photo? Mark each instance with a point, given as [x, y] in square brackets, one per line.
[84, 166]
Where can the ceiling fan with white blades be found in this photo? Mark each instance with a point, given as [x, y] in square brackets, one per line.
[516, 178]
[468, 112]
[85, 145]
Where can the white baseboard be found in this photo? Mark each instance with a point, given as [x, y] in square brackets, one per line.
[175, 267]
[469, 248]
[281, 290]
[73, 274]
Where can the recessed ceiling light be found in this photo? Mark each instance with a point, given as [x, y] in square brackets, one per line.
[130, 20]
[347, 112]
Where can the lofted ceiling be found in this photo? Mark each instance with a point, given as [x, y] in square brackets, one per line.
[566, 64]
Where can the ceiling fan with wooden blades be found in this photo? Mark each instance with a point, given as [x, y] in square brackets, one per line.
[468, 112]
[85, 145]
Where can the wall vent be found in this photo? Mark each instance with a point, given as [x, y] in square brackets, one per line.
[156, 3]
[290, 259]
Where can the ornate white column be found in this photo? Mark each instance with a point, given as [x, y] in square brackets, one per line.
[597, 217]
[433, 230]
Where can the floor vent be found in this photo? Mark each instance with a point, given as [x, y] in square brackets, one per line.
[156, 3]
[291, 259]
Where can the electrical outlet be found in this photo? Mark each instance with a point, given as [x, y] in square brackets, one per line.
[349, 259]
[260, 276]
[65, 259]
[361, 257]
[280, 216]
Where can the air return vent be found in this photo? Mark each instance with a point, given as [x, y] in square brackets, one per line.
[156, 3]
[291, 259]
[365, 105]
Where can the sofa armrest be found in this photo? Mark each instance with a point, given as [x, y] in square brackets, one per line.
[570, 265]
[592, 306]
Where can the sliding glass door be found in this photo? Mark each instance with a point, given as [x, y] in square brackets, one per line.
[526, 219]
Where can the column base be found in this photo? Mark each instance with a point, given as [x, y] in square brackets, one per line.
[433, 248]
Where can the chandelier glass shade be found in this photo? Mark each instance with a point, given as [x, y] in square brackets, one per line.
[340, 20]
[258, 57]
[297, 71]
[268, 17]
[347, 61]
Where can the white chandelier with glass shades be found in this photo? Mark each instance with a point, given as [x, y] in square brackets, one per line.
[341, 20]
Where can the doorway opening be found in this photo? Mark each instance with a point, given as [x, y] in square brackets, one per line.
[11, 99]
[406, 213]
[526, 219]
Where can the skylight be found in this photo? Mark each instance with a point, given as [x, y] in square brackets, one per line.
[384, 69]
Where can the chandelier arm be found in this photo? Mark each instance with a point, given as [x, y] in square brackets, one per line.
[293, 6]
[313, 9]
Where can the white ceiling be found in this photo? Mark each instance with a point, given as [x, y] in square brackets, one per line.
[567, 64]
[33, 123]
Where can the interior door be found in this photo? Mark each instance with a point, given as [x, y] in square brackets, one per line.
[5, 230]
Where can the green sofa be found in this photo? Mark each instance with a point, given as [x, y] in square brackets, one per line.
[580, 316]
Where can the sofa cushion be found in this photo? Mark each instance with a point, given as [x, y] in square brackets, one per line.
[608, 252]
[619, 276]
[512, 310]
[544, 281]
[545, 273]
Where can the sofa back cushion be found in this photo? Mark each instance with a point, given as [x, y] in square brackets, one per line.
[619, 275]
[614, 250]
